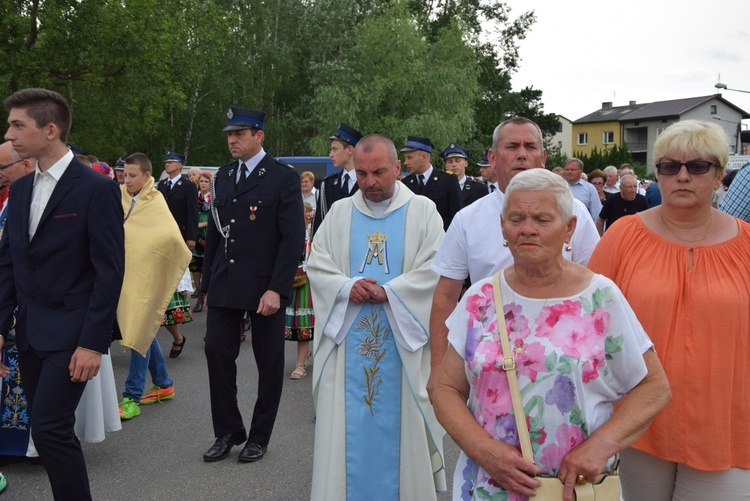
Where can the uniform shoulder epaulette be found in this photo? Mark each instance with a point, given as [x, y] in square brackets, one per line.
[281, 162]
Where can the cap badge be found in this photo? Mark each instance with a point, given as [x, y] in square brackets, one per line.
[230, 115]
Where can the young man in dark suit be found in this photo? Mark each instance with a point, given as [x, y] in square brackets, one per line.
[456, 160]
[341, 184]
[62, 258]
[425, 180]
[253, 243]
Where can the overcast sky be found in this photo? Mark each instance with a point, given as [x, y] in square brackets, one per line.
[581, 53]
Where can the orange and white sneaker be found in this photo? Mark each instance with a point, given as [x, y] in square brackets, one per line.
[157, 395]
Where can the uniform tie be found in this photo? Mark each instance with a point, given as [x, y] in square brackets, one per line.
[421, 180]
[243, 174]
[345, 184]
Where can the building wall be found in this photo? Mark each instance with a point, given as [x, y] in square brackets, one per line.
[727, 117]
[654, 129]
[595, 131]
[562, 139]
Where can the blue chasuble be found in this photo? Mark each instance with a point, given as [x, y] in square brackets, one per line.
[373, 364]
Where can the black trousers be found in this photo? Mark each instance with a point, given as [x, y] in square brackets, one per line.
[223, 328]
[53, 399]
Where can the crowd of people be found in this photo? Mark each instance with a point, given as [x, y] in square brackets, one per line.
[621, 347]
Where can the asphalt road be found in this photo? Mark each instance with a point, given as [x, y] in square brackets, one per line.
[158, 455]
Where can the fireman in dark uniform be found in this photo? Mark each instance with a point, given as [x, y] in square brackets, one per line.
[456, 160]
[252, 250]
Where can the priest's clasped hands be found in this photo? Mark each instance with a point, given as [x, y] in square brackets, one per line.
[367, 290]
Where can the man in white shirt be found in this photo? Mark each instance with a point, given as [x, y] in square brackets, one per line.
[612, 183]
[473, 244]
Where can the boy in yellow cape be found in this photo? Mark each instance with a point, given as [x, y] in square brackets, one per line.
[156, 257]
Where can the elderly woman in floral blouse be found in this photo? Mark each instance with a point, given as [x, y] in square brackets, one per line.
[578, 350]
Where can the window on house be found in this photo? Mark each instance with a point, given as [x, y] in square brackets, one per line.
[583, 138]
[608, 137]
[659, 130]
[713, 109]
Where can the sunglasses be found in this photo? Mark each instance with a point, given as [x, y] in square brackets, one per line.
[695, 167]
[3, 167]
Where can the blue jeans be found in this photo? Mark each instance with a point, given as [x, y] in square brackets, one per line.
[136, 381]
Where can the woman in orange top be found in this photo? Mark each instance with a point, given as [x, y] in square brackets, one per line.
[683, 267]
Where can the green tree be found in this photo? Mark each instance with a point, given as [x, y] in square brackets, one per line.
[145, 76]
[599, 159]
[388, 81]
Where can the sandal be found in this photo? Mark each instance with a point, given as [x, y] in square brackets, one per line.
[299, 372]
[173, 353]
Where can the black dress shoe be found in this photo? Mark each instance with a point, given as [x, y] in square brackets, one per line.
[224, 444]
[252, 452]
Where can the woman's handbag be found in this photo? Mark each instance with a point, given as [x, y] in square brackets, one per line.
[300, 278]
[607, 485]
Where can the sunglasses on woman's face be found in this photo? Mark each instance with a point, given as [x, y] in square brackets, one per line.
[672, 168]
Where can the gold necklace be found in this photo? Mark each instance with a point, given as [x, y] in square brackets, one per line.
[705, 233]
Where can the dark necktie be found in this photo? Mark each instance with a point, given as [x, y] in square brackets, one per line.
[243, 174]
[492, 188]
[345, 185]
[421, 180]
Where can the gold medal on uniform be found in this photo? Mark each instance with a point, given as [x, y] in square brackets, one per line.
[253, 208]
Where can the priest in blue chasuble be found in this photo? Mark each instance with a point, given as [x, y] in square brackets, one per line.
[376, 435]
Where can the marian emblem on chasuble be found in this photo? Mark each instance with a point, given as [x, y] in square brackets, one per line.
[376, 249]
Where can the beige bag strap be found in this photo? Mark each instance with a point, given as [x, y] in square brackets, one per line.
[509, 366]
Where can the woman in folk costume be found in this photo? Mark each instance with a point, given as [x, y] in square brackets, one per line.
[300, 318]
[156, 258]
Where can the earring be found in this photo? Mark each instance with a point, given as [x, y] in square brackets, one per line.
[505, 243]
[568, 248]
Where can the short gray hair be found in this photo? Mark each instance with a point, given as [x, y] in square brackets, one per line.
[516, 121]
[574, 160]
[629, 174]
[542, 180]
[610, 169]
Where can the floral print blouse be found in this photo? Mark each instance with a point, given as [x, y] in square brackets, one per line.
[575, 358]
